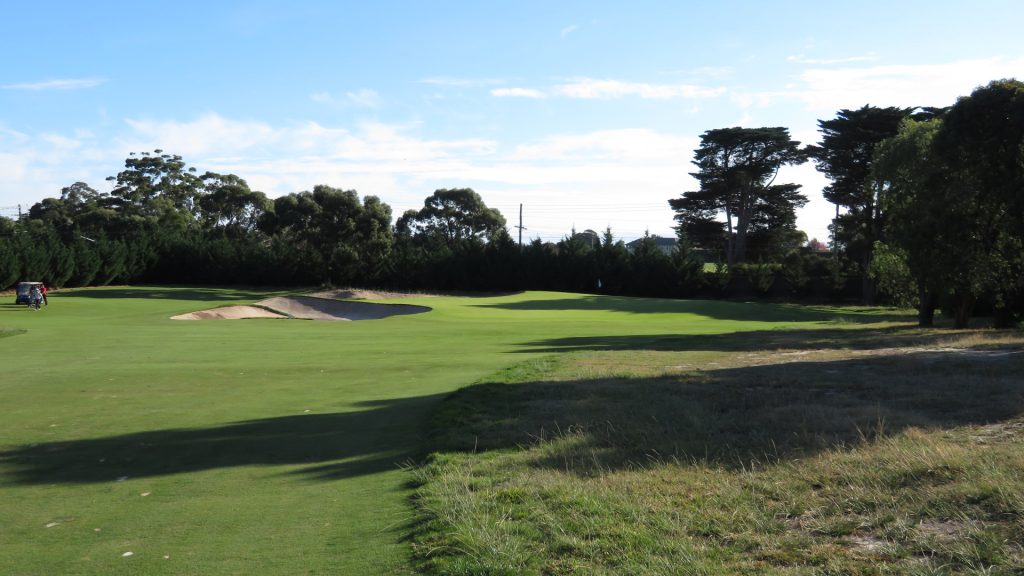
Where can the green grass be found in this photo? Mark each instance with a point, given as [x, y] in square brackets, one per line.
[859, 451]
[280, 446]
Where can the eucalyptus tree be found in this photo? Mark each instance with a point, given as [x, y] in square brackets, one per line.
[453, 218]
[339, 238]
[156, 186]
[229, 206]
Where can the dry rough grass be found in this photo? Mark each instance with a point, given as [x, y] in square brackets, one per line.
[855, 457]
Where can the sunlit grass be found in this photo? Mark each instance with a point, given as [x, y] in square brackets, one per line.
[274, 446]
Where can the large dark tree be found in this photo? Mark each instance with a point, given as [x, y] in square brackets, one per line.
[953, 189]
[847, 144]
[452, 219]
[737, 170]
[74, 213]
[983, 139]
[229, 206]
[339, 239]
[914, 190]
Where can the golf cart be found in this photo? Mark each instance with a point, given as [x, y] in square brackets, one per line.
[24, 291]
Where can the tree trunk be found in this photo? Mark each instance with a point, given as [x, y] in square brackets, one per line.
[868, 289]
[1002, 318]
[743, 222]
[730, 258]
[925, 308]
[962, 311]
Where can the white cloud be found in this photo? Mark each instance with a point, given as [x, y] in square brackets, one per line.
[517, 93]
[62, 84]
[364, 98]
[210, 134]
[622, 178]
[818, 213]
[568, 30]
[11, 135]
[590, 88]
[801, 59]
[902, 85]
[716, 72]
[462, 82]
[620, 146]
[830, 89]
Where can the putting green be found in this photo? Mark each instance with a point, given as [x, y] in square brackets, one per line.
[261, 446]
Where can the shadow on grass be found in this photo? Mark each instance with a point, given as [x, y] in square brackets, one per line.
[336, 445]
[205, 294]
[730, 417]
[15, 308]
[853, 338]
[718, 309]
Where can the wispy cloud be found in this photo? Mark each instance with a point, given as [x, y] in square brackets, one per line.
[630, 145]
[801, 59]
[592, 89]
[716, 72]
[518, 93]
[462, 82]
[568, 30]
[362, 98]
[61, 84]
[209, 134]
[830, 89]
[902, 85]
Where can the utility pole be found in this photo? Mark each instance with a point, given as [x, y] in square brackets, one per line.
[520, 227]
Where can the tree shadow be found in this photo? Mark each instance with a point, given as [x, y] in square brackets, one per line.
[197, 293]
[15, 308]
[852, 338]
[718, 309]
[334, 446]
[730, 417]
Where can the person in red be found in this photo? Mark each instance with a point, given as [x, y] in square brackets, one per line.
[43, 290]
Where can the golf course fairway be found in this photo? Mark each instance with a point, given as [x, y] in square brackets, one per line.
[131, 443]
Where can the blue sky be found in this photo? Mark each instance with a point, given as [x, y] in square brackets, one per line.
[586, 112]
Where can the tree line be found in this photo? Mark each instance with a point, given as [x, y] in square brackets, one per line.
[928, 214]
[933, 201]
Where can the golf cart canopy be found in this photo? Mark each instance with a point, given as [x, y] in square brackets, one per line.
[23, 291]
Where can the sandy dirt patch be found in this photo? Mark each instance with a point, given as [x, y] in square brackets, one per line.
[312, 308]
[229, 313]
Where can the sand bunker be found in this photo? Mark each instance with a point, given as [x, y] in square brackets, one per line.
[308, 308]
[326, 309]
[229, 313]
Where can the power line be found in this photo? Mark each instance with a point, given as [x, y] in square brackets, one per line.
[11, 212]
